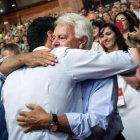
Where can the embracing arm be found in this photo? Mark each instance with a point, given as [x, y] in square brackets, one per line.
[36, 58]
[86, 65]
[100, 108]
[38, 119]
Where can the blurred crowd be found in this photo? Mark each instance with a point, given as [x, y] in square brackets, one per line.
[17, 33]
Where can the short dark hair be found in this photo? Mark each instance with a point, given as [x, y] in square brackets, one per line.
[37, 31]
[119, 37]
[11, 47]
[98, 23]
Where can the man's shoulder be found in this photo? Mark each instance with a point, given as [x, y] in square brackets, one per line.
[66, 51]
[61, 49]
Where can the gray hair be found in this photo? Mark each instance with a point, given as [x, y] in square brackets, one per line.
[81, 25]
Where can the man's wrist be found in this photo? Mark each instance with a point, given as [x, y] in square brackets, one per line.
[63, 124]
[22, 58]
[54, 123]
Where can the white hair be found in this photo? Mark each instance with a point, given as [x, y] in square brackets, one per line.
[81, 25]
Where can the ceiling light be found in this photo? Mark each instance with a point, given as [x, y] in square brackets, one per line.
[1, 10]
[13, 5]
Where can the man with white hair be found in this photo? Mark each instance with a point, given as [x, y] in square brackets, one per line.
[74, 66]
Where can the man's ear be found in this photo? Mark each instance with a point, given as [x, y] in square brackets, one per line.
[49, 34]
[82, 42]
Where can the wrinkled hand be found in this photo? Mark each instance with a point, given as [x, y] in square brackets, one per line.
[35, 119]
[39, 58]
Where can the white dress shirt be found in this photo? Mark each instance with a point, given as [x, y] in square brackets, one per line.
[57, 89]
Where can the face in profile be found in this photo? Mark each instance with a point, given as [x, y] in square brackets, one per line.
[64, 35]
[108, 39]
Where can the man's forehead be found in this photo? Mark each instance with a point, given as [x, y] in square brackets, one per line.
[65, 25]
[63, 28]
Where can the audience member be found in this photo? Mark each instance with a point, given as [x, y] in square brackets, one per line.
[96, 43]
[128, 25]
[128, 101]
[107, 17]
[136, 7]
[114, 12]
[10, 49]
[124, 7]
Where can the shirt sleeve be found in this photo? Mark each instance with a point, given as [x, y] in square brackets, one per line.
[100, 107]
[85, 64]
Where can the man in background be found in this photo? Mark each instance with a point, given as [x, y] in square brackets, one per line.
[136, 7]
[10, 49]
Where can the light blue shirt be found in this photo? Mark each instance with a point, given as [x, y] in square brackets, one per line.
[99, 110]
[57, 89]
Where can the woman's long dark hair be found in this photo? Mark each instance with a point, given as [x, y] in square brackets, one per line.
[119, 37]
[131, 18]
